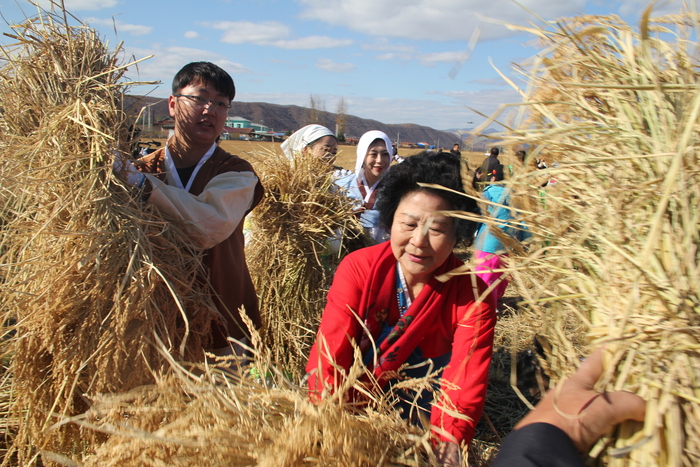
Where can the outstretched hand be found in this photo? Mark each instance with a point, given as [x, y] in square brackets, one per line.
[582, 413]
[126, 170]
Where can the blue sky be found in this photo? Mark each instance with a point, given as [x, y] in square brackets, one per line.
[396, 61]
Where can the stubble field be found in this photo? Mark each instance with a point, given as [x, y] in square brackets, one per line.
[252, 150]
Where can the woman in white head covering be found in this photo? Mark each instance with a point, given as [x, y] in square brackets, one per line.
[316, 139]
[373, 162]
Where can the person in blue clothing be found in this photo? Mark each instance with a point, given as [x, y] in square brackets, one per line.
[489, 250]
[373, 162]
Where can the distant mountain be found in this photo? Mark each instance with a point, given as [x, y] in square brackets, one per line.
[483, 142]
[284, 118]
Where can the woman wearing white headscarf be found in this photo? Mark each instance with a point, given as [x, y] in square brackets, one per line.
[373, 162]
[315, 139]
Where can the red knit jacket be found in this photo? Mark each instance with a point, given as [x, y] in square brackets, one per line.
[453, 320]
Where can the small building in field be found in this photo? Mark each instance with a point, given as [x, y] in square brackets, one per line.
[260, 128]
[240, 122]
[231, 133]
[165, 124]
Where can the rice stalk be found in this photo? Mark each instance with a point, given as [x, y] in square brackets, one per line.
[218, 415]
[289, 251]
[90, 275]
[617, 237]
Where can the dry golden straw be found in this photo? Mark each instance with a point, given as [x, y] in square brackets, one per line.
[617, 238]
[289, 252]
[227, 419]
[91, 277]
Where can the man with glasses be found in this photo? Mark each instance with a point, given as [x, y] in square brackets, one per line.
[193, 179]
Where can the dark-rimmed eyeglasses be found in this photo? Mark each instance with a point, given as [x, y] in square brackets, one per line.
[204, 102]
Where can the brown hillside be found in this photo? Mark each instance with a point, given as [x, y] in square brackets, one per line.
[293, 117]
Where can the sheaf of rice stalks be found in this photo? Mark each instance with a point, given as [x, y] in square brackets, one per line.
[90, 277]
[616, 238]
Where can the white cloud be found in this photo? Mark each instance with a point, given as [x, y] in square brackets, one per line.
[392, 50]
[490, 81]
[74, 5]
[329, 65]
[636, 7]
[246, 32]
[273, 34]
[191, 35]
[382, 44]
[439, 20]
[443, 57]
[133, 29]
[311, 42]
[168, 60]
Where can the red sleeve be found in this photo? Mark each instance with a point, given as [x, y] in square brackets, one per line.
[332, 353]
[467, 372]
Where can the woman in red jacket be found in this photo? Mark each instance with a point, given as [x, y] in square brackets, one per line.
[388, 301]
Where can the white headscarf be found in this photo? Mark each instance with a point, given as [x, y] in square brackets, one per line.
[362, 147]
[302, 138]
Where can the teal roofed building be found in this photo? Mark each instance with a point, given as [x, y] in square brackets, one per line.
[240, 122]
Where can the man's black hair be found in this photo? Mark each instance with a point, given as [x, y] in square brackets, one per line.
[208, 74]
[495, 152]
[440, 169]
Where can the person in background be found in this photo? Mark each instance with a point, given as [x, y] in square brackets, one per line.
[520, 157]
[489, 250]
[386, 300]
[569, 421]
[455, 150]
[317, 140]
[373, 162]
[314, 139]
[490, 162]
[194, 180]
[476, 181]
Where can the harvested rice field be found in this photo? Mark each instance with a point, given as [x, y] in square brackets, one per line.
[102, 366]
[346, 154]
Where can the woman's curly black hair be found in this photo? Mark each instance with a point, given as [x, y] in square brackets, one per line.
[441, 169]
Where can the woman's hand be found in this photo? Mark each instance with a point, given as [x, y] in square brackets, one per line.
[449, 454]
[583, 414]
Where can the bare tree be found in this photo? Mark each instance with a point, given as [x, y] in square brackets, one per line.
[341, 113]
[316, 106]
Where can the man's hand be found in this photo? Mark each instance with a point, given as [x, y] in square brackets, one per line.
[126, 170]
[583, 414]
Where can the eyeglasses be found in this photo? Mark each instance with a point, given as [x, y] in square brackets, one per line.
[199, 101]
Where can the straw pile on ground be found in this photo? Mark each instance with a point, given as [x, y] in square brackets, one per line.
[224, 418]
[617, 238]
[95, 283]
[289, 251]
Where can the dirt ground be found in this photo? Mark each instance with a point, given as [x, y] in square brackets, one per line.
[251, 150]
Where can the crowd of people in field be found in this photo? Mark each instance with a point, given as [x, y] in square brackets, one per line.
[385, 300]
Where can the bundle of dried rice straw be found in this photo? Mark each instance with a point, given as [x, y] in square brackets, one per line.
[96, 283]
[227, 419]
[617, 238]
[291, 251]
